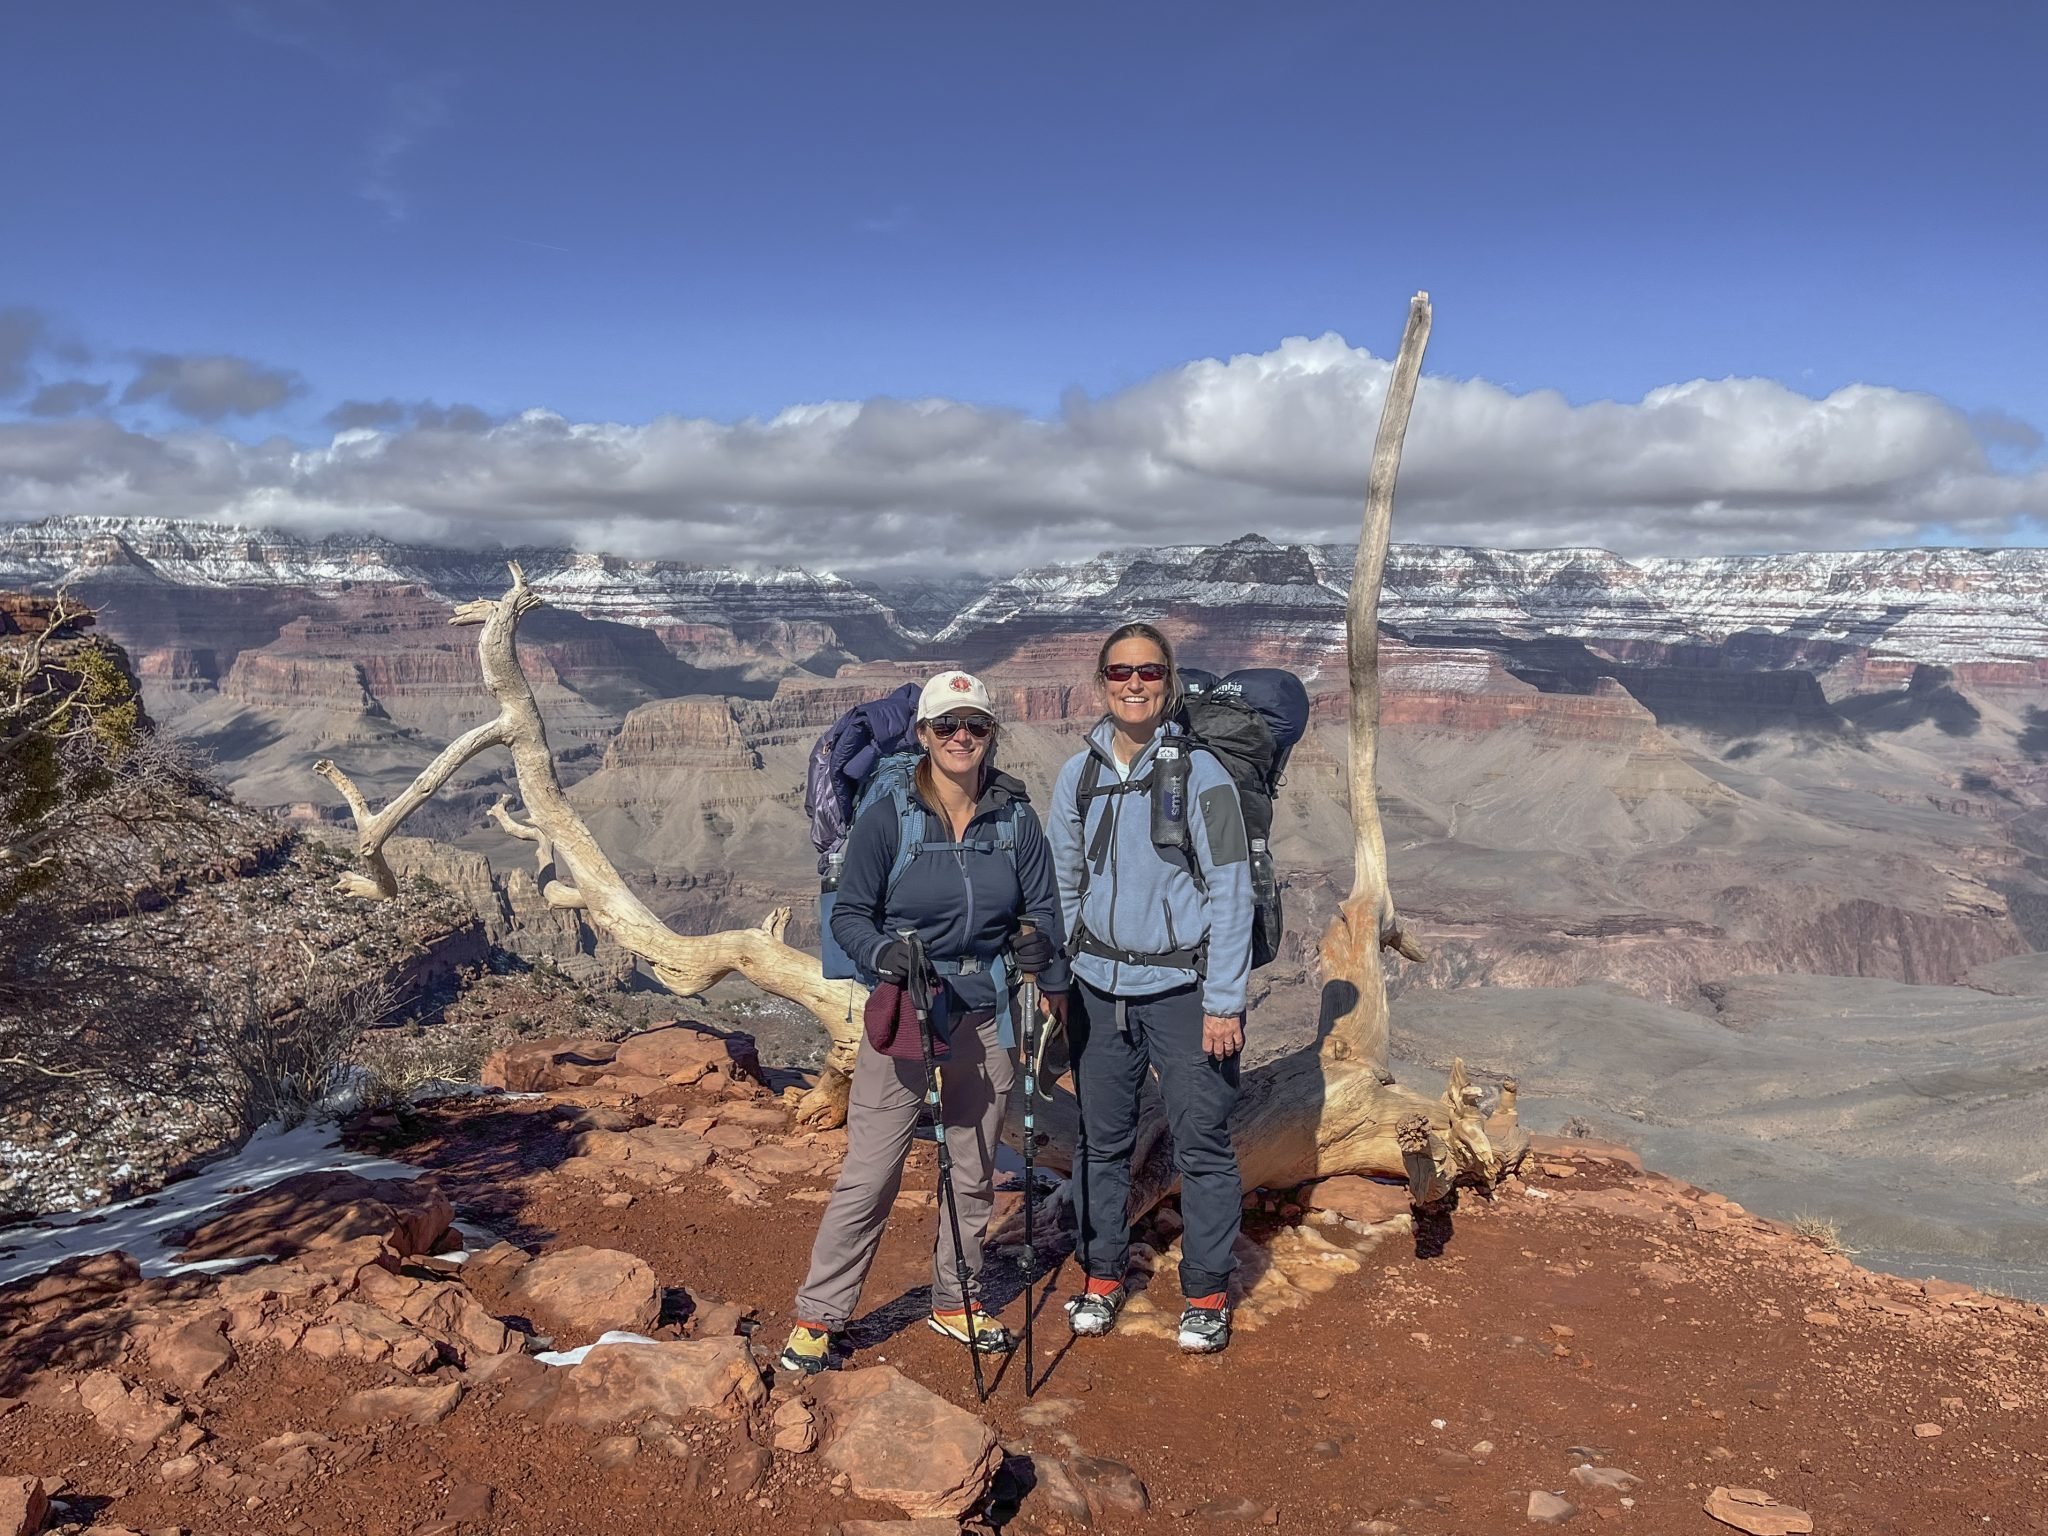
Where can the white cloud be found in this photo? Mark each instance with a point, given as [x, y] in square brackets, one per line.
[1275, 442]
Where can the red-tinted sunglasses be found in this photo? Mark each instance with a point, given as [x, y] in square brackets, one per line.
[977, 726]
[1124, 671]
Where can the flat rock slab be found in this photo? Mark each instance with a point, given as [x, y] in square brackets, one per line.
[902, 1444]
[544, 1066]
[1754, 1511]
[683, 1053]
[1362, 1200]
[134, 1414]
[323, 1210]
[580, 1293]
[620, 1383]
[192, 1353]
[401, 1405]
[653, 1152]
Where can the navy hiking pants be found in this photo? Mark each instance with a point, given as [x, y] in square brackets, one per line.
[1162, 1033]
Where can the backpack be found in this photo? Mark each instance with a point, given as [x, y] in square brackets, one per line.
[870, 753]
[1249, 722]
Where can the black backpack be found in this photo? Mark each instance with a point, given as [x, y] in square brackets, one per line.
[1249, 722]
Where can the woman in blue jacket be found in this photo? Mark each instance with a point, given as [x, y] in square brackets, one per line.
[1158, 906]
[975, 872]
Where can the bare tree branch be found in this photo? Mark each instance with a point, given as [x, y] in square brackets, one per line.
[1354, 1010]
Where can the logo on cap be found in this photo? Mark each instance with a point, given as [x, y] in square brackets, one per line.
[960, 684]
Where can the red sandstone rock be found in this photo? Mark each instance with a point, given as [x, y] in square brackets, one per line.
[194, 1352]
[796, 1427]
[444, 1311]
[1754, 1511]
[902, 1444]
[579, 1293]
[621, 1383]
[682, 1054]
[1358, 1199]
[76, 1285]
[544, 1066]
[23, 1506]
[322, 1210]
[353, 1331]
[655, 1153]
[778, 1159]
[1110, 1486]
[423, 1404]
[129, 1413]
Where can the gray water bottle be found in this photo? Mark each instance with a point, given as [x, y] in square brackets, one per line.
[1169, 796]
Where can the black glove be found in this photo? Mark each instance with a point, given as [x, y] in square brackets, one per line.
[1033, 951]
[893, 962]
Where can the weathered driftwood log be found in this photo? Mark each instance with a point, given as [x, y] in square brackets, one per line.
[1328, 1109]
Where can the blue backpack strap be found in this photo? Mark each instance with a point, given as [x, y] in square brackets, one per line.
[910, 826]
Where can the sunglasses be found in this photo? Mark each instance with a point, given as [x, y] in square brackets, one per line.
[977, 726]
[1124, 671]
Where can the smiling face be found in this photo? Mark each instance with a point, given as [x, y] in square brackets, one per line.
[951, 743]
[1135, 702]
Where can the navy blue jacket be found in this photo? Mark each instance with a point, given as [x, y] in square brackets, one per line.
[961, 903]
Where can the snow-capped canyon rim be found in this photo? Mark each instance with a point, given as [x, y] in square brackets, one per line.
[1934, 605]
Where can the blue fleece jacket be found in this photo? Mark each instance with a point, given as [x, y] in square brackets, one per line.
[1143, 898]
[962, 903]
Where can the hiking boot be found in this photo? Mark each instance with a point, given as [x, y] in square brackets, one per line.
[990, 1336]
[1205, 1329]
[810, 1350]
[1093, 1313]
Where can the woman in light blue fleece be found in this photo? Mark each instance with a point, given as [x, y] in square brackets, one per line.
[1159, 910]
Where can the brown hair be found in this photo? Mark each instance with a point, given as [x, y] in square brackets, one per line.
[1138, 629]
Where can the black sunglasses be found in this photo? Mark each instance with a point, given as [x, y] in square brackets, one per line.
[1123, 671]
[977, 726]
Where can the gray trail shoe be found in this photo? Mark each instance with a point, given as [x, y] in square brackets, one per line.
[1091, 1315]
[1204, 1330]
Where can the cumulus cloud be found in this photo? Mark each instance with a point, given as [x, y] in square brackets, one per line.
[1277, 442]
[67, 397]
[208, 388]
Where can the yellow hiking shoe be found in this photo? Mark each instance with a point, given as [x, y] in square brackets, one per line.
[810, 1349]
[989, 1337]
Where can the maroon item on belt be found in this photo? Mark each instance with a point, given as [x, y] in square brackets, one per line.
[890, 1020]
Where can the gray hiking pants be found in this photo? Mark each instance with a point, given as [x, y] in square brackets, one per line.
[974, 1088]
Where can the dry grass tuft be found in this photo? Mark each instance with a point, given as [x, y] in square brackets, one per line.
[1826, 1232]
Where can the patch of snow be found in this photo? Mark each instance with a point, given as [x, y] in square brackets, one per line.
[576, 1356]
[139, 1227]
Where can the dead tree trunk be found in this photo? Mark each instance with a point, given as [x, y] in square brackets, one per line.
[1333, 1107]
[575, 872]
[1328, 1109]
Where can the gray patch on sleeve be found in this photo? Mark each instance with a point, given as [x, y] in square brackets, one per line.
[1225, 821]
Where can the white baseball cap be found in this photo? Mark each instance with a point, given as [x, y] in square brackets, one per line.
[950, 691]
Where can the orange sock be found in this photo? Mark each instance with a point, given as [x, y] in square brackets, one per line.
[1215, 1301]
[1097, 1287]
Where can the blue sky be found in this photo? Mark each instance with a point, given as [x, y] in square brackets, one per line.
[620, 213]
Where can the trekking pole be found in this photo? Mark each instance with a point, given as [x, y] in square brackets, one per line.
[921, 1001]
[1027, 999]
